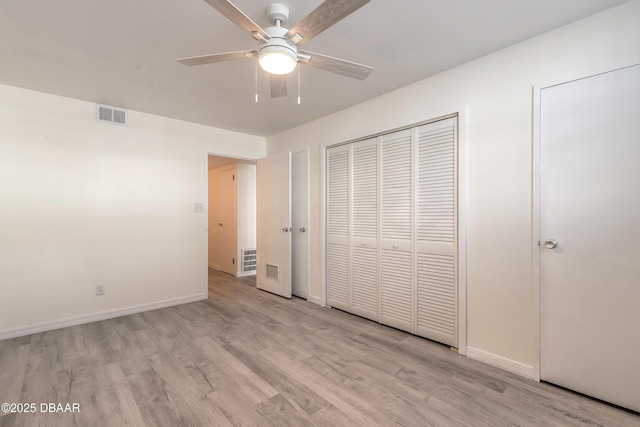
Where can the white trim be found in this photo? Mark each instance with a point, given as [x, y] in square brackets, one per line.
[246, 273]
[463, 203]
[500, 362]
[309, 230]
[206, 226]
[315, 300]
[20, 331]
[535, 234]
[463, 194]
[323, 228]
[414, 227]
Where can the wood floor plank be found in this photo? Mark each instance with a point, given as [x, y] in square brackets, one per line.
[247, 357]
[13, 361]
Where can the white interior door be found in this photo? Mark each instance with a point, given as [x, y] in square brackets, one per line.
[590, 208]
[338, 262]
[274, 224]
[436, 201]
[365, 293]
[396, 266]
[227, 225]
[300, 217]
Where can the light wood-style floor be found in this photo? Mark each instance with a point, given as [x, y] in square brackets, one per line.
[246, 357]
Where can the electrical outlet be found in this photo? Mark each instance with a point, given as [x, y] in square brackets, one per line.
[100, 290]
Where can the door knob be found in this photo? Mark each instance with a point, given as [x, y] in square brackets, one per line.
[302, 229]
[395, 246]
[286, 229]
[550, 244]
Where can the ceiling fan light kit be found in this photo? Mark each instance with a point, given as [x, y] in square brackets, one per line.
[277, 51]
[275, 60]
[277, 55]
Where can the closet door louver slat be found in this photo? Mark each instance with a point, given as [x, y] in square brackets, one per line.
[364, 282]
[396, 186]
[364, 239]
[396, 277]
[436, 232]
[396, 289]
[338, 262]
[338, 191]
[338, 276]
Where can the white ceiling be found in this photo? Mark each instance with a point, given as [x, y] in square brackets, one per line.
[122, 52]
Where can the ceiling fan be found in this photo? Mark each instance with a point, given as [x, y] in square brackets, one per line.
[278, 50]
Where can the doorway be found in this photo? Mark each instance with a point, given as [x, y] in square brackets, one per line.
[589, 235]
[231, 215]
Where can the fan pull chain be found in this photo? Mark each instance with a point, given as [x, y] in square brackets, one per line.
[256, 80]
[298, 84]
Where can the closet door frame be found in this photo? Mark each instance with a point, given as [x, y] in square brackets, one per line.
[461, 113]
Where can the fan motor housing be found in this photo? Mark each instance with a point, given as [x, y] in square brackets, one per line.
[278, 36]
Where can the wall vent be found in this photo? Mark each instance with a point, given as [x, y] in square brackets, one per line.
[107, 114]
[272, 271]
[248, 260]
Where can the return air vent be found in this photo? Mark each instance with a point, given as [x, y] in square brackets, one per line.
[118, 116]
[272, 271]
[248, 260]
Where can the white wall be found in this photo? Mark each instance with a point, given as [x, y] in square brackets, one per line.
[497, 90]
[246, 210]
[86, 203]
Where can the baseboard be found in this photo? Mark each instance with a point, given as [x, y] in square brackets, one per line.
[20, 331]
[500, 362]
[247, 273]
[314, 300]
[214, 266]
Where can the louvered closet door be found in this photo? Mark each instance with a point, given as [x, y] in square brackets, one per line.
[436, 232]
[364, 220]
[396, 278]
[338, 289]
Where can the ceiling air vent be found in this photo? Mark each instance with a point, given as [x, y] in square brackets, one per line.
[118, 116]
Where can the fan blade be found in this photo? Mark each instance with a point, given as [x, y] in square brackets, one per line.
[338, 66]
[236, 16]
[324, 16]
[218, 57]
[278, 86]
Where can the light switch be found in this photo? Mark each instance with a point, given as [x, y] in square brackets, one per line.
[198, 207]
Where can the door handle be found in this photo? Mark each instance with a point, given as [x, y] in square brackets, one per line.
[302, 229]
[286, 229]
[550, 244]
